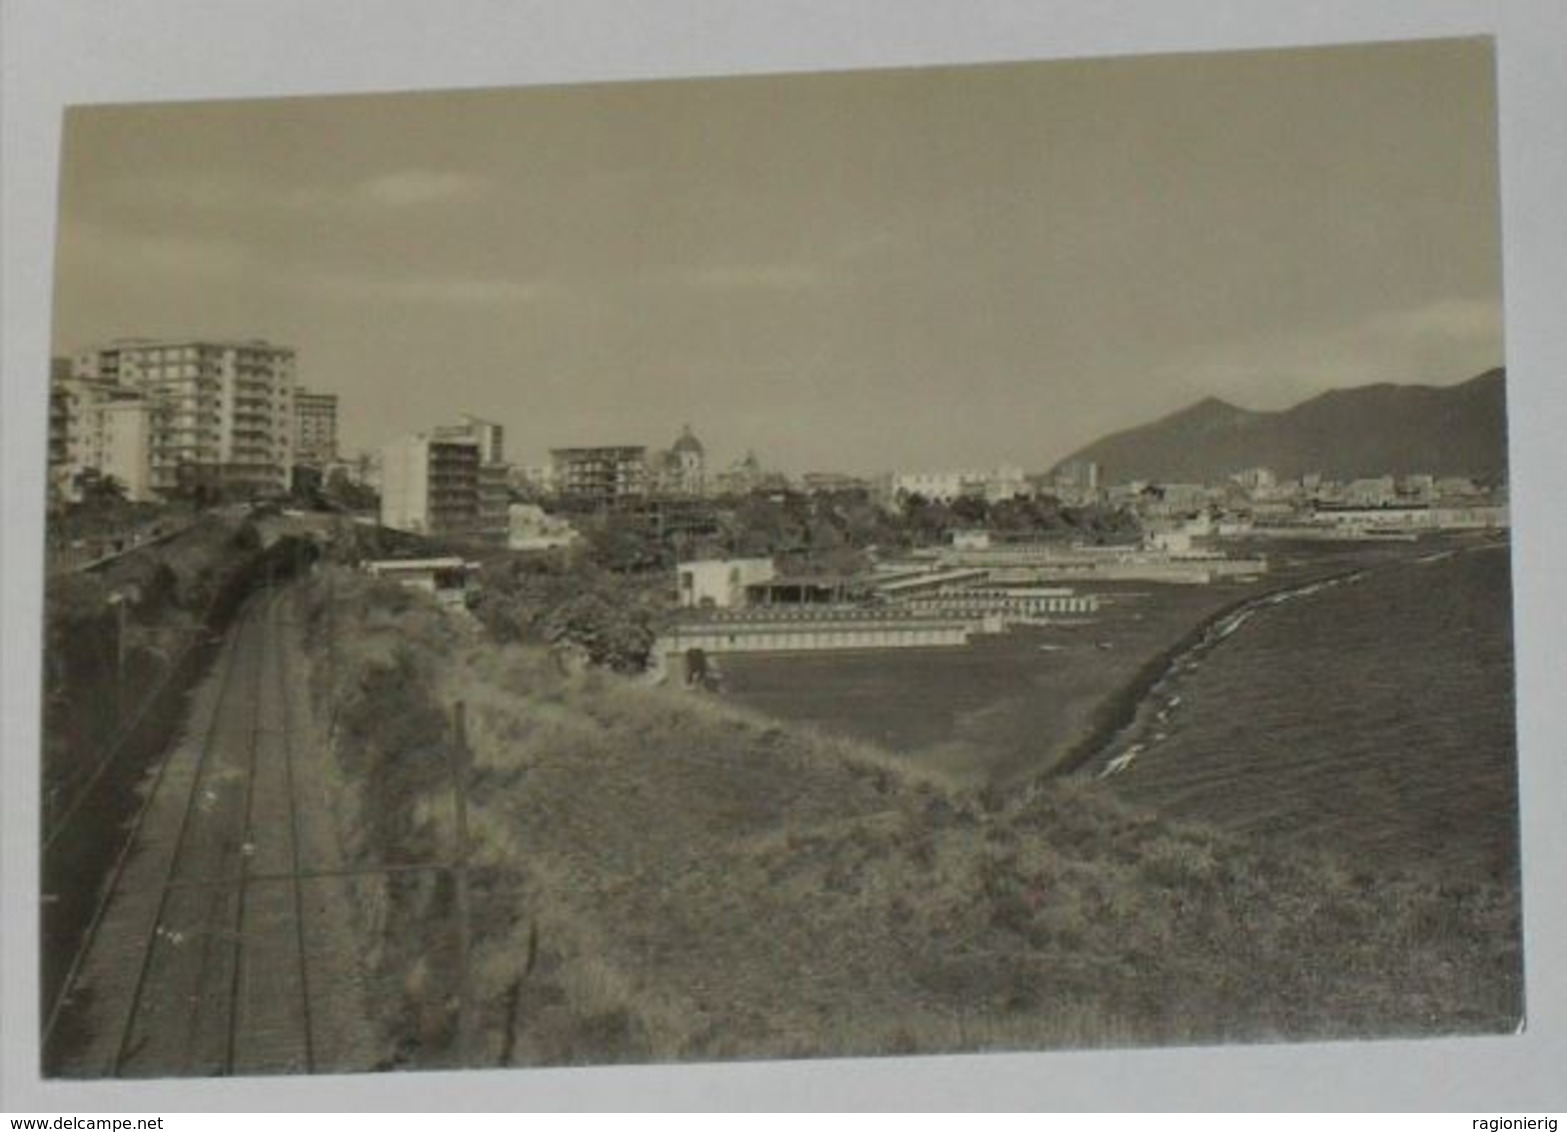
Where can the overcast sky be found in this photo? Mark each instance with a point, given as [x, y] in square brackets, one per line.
[918, 269]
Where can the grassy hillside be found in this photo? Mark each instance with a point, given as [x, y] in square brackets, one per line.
[660, 876]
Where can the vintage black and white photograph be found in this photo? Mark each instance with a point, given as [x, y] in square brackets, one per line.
[920, 560]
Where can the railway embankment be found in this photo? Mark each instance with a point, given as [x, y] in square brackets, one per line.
[222, 943]
[124, 648]
[587, 870]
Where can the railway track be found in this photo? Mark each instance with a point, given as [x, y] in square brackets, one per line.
[199, 959]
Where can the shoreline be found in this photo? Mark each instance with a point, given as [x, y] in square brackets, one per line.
[1120, 712]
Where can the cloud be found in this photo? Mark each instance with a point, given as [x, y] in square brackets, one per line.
[97, 248]
[1443, 340]
[412, 187]
[469, 291]
[772, 277]
[227, 193]
[1445, 319]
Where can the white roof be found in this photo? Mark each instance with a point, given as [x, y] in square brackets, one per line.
[392, 564]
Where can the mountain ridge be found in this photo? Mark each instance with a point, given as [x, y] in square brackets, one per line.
[1384, 428]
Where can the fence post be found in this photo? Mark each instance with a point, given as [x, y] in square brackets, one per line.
[459, 767]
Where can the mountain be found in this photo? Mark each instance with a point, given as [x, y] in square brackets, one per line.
[1371, 430]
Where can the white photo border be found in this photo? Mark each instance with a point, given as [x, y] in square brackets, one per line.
[64, 52]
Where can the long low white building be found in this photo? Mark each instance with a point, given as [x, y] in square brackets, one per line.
[1415, 516]
[1035, 563]
[1011, 604]
[822, 628]
[446, 578]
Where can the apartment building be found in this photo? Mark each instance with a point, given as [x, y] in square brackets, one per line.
[315, 428]
[494, 475]
[228, 421]
[600, 476]
[437, 486]
[489, 436]
[991, 484]
[98, 429]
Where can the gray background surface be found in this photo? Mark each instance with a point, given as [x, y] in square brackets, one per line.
[60, 52]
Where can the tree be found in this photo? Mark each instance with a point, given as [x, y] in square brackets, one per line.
[340, 489]
[623, 544]
[98, 489]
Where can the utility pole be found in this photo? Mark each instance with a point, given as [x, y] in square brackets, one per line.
[119, 658]
[459, 767]
[331, 621]
[118, 601]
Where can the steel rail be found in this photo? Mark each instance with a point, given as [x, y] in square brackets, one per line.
[111, 887]
[123, 1047]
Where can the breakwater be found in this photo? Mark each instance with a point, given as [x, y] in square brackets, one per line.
[1373, 719]
[1126, 712]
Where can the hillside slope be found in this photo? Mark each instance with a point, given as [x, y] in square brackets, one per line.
[1371, 430]
[658, 876]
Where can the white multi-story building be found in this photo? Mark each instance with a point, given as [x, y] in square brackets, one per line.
[430, 486]
[128, 425]
[438, 485]
[100, 429]
[991, 484]
[229, 419]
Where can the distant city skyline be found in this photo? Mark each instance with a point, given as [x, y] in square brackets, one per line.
[945, 267]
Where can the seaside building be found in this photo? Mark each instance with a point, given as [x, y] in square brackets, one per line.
[1370, 492]
[1413, 516]
[721, 583]
[945, 486]
[1014, 564]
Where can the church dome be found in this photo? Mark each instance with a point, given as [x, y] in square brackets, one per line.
[688, 442]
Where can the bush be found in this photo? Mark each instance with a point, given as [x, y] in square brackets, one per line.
[614, 619]
[246, 537]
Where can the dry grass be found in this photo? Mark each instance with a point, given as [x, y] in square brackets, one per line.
[659, 876]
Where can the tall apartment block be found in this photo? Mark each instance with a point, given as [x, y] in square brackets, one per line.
[315, 428]
[227, 419]
[430, 485]
[494, 486]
